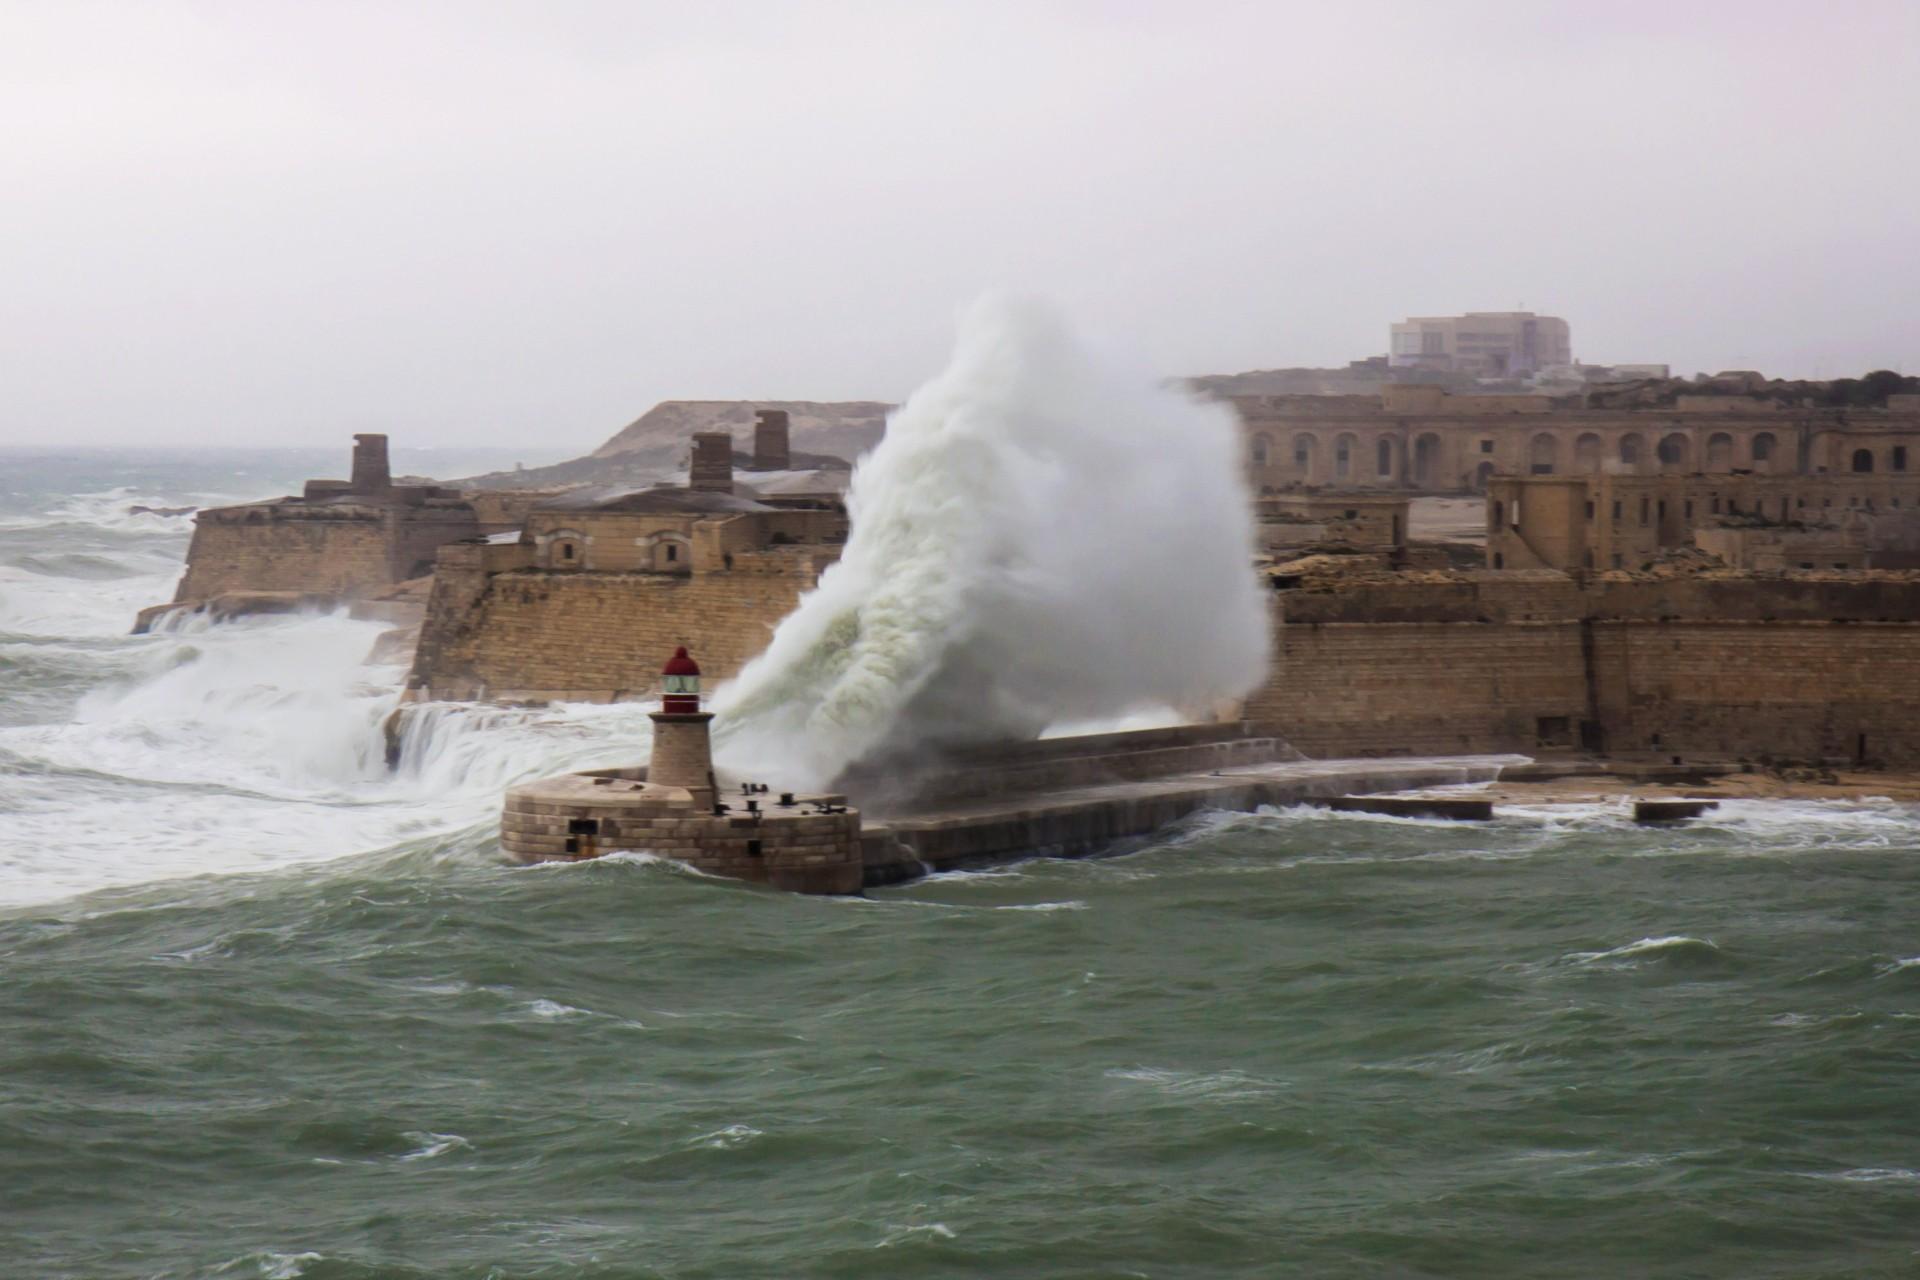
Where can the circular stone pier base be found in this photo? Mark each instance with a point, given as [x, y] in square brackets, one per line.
[808, 845]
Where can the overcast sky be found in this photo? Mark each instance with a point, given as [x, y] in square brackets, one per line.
[505, 223]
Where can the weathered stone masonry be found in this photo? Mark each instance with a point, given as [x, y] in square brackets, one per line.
[1794, 668]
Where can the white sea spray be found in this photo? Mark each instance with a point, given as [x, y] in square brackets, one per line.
[1040, 537]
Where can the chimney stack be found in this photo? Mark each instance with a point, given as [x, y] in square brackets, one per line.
[712, 470]
[370, 470]
[770, 448]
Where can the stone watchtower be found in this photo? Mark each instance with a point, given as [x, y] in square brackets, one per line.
[371, 474]
[682, 752]
[712, 470]
[771, 451]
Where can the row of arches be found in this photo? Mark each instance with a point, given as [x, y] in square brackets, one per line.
[1351, 461]
[1383, 459]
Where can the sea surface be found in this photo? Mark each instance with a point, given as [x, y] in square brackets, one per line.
[268, 1009]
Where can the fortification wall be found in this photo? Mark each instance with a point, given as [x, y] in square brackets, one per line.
[1420, 688]
[1785, 689]
[532, 635]
[341, 554]
[1794, 668]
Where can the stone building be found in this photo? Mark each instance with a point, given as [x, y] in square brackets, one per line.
[337, 540]
[1606, 521]
[1425, 439]
[1287, 523]
[579, 604]
[1491, 344]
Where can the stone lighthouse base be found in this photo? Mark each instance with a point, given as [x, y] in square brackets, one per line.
[811, 845]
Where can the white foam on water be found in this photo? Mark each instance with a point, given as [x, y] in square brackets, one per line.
[1667, 944]
[433, 1144]
[259, 744]
[731, 1137]
[1040, 537]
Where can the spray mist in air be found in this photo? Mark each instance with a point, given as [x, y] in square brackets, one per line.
[1038, 538]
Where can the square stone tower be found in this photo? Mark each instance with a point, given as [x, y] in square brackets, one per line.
[770, 448]
[712, 470]
[371, 474]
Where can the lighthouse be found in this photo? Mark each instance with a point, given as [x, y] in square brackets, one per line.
[682, 752]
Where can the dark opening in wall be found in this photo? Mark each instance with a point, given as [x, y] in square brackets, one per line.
[753, 848]
[583, 826]
[1554, 731]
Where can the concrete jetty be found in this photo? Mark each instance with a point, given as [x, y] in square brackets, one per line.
[1076, 820]
[885, 822]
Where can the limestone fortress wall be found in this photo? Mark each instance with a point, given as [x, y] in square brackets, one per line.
[579, 607]
[1799, 667]
[339, 539]
[500, 627]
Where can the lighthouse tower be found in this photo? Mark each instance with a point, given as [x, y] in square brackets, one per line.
[682, 753]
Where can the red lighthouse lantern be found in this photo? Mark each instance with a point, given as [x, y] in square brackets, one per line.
[680, 680]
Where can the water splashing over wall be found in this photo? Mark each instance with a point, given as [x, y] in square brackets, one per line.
[1039, 537]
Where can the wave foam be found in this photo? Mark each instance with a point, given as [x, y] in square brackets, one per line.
[1038, 538]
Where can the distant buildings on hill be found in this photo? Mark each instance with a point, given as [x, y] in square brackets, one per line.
[1487, 344]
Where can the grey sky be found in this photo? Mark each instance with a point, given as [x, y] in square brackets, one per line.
[500, 223]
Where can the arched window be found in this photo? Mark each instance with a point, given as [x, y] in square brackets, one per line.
[1343, 457]
[1544, 454]
[1426, 461]
[671, 552]
[1261, 444]
[1305, 447]
[1385, 452]
[1763, 448]
[1586, 452]
[566, 549]
[1720, 452]
[1630, 450]
[1482, 474]
[1863, 460]
[1673, 450]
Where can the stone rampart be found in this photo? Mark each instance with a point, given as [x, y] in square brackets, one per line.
[1798, 668]
[339, 550]
[535, 635]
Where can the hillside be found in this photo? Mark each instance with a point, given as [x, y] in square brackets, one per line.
[654, 446]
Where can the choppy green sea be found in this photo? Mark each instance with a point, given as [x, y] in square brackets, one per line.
[267, 1010]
